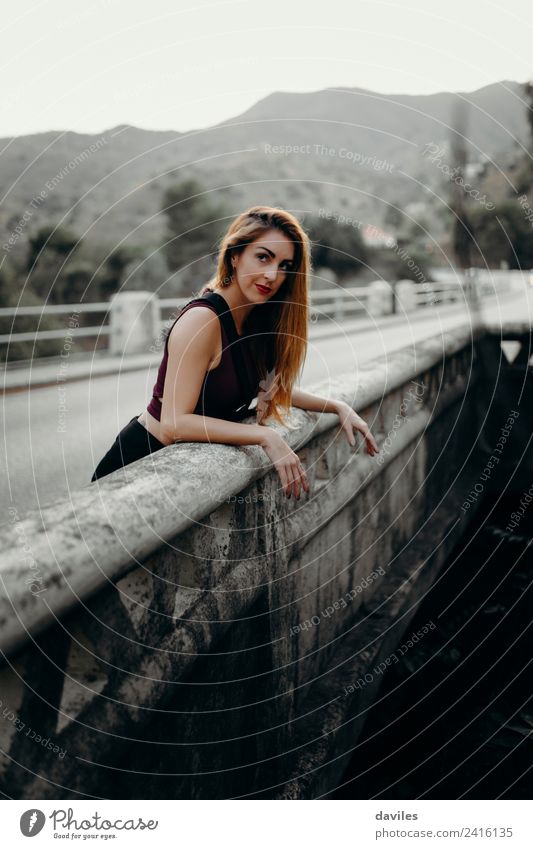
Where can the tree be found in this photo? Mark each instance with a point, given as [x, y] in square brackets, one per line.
[194, 224]
[76, 277]
[503, 234]
[57, 240]
[48, 251]
[336, 246]
[462, 236]
[109, 278]
[7, 283]
[12, 296]
[528, 91]
[394, 216]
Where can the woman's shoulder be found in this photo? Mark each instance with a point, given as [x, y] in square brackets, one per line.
[193, 318]
[197, 302]
[200, 300]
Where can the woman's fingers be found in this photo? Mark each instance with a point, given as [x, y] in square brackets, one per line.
[305, 479]
[373, 444]
[282, 471]
[288, 466]
[293, 478]
[297, 477]
[361, 426]
[290, 476]
[348, 424]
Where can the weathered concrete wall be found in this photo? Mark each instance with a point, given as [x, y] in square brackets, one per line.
[181, 630]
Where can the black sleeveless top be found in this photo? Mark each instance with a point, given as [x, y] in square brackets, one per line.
[228, 389]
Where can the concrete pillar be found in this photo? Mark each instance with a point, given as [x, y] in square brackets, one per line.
[405, 292]
[134, 323]
[379, 298]
[471, 286]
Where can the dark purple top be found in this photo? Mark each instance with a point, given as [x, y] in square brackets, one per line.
[221, 393]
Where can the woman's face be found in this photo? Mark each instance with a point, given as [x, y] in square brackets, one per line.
[262, 267]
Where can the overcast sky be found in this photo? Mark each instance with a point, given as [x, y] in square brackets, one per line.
[88, 65]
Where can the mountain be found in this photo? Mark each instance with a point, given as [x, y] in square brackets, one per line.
[349, 150]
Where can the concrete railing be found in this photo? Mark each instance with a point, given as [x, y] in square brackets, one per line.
[180, 629]
[136, 320]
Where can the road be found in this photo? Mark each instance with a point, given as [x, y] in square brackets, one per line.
[47, 452]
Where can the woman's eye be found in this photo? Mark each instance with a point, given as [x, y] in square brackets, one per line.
[283, 267]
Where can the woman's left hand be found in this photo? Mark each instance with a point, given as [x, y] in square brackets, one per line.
[350, 421]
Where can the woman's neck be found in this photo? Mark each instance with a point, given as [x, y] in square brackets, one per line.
[239, 306]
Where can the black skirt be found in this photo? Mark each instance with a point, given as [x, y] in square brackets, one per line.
[132, 443]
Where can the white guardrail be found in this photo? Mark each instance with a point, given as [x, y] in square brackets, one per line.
[135, 318]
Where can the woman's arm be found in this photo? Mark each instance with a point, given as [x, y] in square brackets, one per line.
[313, 403]
[191, 346]
[191, 427]
[348, 417]
[191, 350]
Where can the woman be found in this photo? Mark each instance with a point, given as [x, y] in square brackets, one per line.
[242, 341]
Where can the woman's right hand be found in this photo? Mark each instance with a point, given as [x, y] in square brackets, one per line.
[287, 464]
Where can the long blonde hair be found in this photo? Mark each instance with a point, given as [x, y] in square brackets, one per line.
[277, 329]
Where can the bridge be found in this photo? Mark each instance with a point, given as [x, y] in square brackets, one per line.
[54, 437]
[196, 635]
